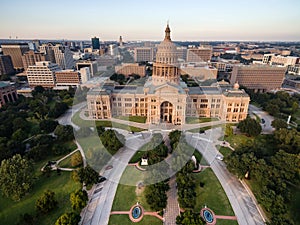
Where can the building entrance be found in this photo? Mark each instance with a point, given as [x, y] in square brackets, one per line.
[166, 110]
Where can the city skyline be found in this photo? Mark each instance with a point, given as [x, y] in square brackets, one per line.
[270, 20]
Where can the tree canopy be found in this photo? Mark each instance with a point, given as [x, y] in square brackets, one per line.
[78, 200]
[250, 126]
[70, 218]
[16, 177]
[46, 202]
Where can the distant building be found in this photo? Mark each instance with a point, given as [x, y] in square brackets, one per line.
[31, 57]
[42, 74]
[199, 71]
[144, 54]
[67, 78]
[279, 60]
[58, 54]
[121, 41]
[200, 54]
[258, 78]
[15, 51]
[6, 65]
[95, 43]
[106, 60]
[295, 69]
[113, 50]
[131, 68]
[7, 93]
[92, 65]
[182, 52]
[85, 74]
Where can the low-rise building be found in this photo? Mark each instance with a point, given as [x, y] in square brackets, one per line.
[258, 77]
[42, 74]
[31, 57]
[7, 93]
[131, 68]
[67, 78]
[200, 54]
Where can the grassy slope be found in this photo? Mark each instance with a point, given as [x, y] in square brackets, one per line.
[212, 194]
[124, 220]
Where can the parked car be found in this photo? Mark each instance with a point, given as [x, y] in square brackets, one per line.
[101, 179]
[219, 157]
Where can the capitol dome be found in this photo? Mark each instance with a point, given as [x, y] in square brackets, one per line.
[166, 50]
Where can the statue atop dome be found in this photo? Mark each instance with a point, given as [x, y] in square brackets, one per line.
[168, 33]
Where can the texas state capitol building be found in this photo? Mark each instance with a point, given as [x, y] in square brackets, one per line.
[164, 98]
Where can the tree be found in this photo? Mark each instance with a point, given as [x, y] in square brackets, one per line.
[111, 140]
[279, 123]
[70, 218]
[250, 126]
[46, 202]
[272, 109]
[64, 133]
[86, 175]
[189, 217]
[48, 125]
[228, 130]
[16, 177]
[78, 200]
[156, 195]
[76, 159]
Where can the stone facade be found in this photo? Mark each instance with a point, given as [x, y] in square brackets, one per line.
[164, 98]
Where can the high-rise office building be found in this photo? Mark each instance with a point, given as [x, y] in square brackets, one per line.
[31, 57]
[15, 51]
[95, 43]
[121, 41]
[143, 54]
[6, 65]
[58, 54]
[201, 54]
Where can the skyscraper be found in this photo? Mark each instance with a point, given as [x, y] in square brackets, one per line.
[15, 51]
[6, 65]
[95, 43]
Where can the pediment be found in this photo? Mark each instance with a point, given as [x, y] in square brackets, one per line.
[167, 89]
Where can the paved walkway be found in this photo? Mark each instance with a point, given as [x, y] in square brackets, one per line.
[172, 210]
[243, 205]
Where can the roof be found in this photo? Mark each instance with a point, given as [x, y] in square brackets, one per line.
[4, 84]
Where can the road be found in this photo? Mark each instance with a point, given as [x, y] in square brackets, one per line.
[102, 195]
[242, 204]
[266, 127]
[65, 119]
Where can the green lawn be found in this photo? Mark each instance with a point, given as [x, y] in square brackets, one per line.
[224, 150]
[126, 195]
[193, 120]
[124, 220]
[238, 139]
[211, 194]
[62, 185]
[104, 123]
[196, 130]
[138, 119]
[226, 222]
[66, 163]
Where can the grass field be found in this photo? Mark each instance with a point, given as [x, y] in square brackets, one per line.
[62, 185]
[193, 120]
[226, 222]
[104, 123]
[126, 195]
[66, 163]
[211, 194]
[138, 119]
[238, 139]
[224, 150]
[124, 220]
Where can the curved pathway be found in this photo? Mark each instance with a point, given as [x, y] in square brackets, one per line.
[102, 195]
[243, 205]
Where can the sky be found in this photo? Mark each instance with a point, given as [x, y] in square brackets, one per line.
[260, 20]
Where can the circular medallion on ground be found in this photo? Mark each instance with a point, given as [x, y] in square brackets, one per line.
[208, 216]
[136, 213]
